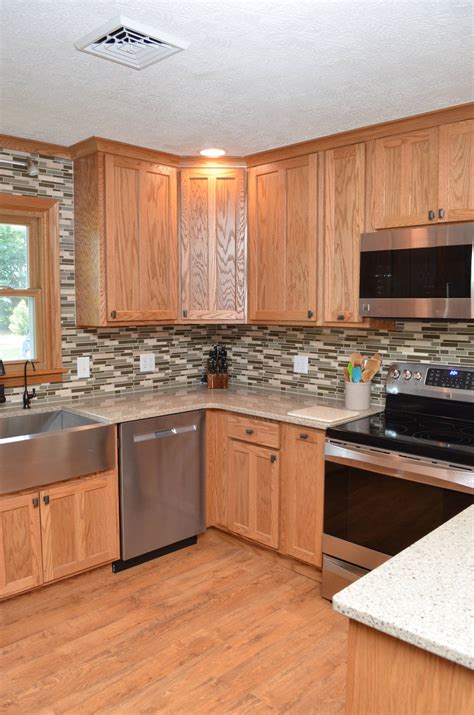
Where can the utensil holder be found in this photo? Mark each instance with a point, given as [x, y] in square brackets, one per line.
[357, 395]
[217, 381]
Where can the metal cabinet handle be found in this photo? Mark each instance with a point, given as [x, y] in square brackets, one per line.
[46, 499]
[340, 316]
[249, 431]
[304, 435]
[113, 314]
[441, 213]
[185, 313]
[431, 215]
[273, 458]
[35, 501]
[310, 313]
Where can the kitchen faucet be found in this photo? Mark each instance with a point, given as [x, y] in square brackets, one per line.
[28, 396]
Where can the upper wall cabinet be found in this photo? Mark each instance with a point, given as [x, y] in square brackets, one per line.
[282, 241]
[406, 179]
[456, 171]
[126, 241]
[343, 223]
[212, 221]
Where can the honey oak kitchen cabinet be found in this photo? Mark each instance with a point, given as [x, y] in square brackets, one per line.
[126, 241]
[212, 236]
[425, 176]
[57, 531]
[282, 241]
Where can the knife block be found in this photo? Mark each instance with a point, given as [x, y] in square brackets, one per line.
[217, 381]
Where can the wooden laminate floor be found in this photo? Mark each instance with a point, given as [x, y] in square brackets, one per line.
[215, 628]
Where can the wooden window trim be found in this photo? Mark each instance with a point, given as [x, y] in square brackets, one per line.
[43, 214]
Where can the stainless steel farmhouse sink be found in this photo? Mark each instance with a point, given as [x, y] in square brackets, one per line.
[46, 447]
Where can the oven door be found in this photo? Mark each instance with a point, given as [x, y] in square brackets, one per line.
[376, 502]
[418, 272]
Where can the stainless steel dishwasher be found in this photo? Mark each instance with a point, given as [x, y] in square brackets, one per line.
[161, 486]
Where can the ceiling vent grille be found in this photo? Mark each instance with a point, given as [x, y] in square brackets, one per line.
[130, 43]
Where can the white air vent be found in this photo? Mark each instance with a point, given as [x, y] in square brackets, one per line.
[130, 43]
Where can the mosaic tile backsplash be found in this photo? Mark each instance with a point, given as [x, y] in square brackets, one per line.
[257, 355]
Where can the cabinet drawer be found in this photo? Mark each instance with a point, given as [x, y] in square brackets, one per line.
[306, 434]
[255, 431]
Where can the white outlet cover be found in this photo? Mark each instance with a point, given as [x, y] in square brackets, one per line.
[147, 362]
[301, 364]
[83, 367]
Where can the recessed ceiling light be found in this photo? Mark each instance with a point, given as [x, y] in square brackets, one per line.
[212, 153]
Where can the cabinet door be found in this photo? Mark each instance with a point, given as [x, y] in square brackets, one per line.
[282, 240]
[456, 171]
[216, 468]
[344, 222]
[79, 525]
[406, 175]
[20, 544]
[213, 245]
[303, 493]
[253, 492]
[141, 241]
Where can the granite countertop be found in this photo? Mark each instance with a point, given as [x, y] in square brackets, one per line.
[257, 402]
[424, 594]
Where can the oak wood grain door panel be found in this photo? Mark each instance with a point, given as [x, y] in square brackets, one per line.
[406, 175]
[253, 492]
[20, 544]
[213, 245]
[79, 525]
[302, 482]
[282, 240]
[141, 241]
[344, 222]
[456, 171]
[216, 468]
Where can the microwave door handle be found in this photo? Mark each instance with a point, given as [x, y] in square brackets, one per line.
[401, 466]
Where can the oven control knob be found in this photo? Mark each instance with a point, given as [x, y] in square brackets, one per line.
[406, 374]
[417, 375]
[395, 373]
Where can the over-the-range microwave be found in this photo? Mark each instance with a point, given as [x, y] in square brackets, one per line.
[422, 272]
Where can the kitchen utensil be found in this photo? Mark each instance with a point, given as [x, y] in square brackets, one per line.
[347, 377]
[364, 361]
[368, 374]
[356, 374]
[355, 359]
[349, 370]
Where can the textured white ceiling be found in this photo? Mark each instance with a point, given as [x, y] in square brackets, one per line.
[257, 74]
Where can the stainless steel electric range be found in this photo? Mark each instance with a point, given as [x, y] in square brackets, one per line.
[394, 477]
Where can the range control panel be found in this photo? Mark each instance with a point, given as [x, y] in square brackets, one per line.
[450, 377]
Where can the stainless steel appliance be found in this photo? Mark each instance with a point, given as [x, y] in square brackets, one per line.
[161, 485]
[393, 477]
[422, 272]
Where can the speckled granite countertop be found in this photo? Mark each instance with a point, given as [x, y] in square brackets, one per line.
[270, 404]
[424, 595]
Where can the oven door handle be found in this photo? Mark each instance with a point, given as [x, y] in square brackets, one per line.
[399, 465]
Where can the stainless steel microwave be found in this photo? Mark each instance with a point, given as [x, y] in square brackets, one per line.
[422, 272]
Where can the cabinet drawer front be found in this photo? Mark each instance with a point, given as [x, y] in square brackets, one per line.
[306, 434]
[255, 431]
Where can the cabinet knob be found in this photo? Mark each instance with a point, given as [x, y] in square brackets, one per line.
[273, 458]
[249, 431]
[304, 435]
[431, 215]
[35, 501]
[113, 314]
[310, 313]
[441, 213]
[46, 499]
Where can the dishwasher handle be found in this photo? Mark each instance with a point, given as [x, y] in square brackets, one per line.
[172, 432]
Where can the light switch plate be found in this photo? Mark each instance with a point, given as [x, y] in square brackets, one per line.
[147, 362]
[301, 364]
[83, 367]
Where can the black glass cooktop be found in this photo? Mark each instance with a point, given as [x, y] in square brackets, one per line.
[438, 436]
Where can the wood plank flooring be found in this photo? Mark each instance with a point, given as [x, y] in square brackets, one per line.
[215, 628]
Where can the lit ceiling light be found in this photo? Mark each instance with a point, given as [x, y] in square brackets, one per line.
[212, 153]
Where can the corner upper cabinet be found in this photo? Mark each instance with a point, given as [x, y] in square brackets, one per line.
[212, 221]
[406, 179]
[456, 171]
[344, 221]
[126, 241]
[282, 239]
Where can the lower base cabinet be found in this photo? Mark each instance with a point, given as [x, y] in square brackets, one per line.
[58, 531]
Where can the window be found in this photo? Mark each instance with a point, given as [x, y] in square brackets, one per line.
[29, 288]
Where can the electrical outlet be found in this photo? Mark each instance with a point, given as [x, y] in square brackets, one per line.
[83, 367]
[147, 362]
[301, 364]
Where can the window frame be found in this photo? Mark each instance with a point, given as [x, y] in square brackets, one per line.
[41, 215]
